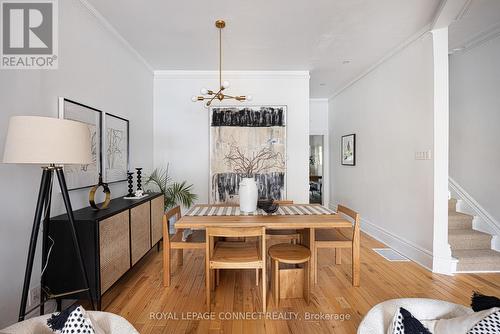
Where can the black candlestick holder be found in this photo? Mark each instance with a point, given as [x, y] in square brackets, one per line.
[130, 184]
[139, 186]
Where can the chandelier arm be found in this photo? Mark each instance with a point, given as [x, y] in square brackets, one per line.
[214, 97]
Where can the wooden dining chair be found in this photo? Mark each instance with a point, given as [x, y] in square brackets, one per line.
[196, 240]
[330, 238]
[234, 255]
[282, 236]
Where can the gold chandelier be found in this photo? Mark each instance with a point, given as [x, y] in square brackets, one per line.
[210, 95]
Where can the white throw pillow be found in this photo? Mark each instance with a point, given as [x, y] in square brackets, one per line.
[459, 325]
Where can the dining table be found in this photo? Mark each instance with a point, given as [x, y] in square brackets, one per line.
[305, 218]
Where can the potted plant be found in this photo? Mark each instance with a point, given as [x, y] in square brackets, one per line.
[260, 161]
[174, 193]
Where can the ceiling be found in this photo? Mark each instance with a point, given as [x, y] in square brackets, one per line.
[334, 39]
[478, 21]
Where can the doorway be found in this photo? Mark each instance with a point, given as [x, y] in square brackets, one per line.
[316, 169]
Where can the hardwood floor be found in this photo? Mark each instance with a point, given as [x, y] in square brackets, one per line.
[140, 294]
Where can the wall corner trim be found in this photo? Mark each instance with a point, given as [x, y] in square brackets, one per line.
[108, 26]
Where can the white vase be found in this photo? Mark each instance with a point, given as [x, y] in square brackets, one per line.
[248, 195]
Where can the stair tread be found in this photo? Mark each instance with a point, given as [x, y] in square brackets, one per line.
[468, 232]
[476, 254]
[459, 215]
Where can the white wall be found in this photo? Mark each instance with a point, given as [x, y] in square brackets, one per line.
[318, 116]
[390, 110]
[474, 123]
[319, 125]
[181, 127]
[95, 68]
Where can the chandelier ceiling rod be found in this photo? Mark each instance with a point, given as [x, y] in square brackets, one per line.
[220, 24]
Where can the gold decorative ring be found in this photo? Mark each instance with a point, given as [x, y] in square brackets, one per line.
[105, 190]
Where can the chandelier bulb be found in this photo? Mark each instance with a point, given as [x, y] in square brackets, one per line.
[249, 98]
[204, 91]
[194, 98]
[225, 84]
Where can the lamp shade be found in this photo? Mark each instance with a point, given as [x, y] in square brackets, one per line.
[46, 140]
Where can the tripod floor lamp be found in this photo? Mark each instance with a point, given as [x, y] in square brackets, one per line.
[51, 143]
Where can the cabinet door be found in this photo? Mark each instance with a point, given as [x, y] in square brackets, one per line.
[114, 249]
[157, 211]
[140, 231]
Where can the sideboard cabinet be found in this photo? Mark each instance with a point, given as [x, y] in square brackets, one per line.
[112, 240]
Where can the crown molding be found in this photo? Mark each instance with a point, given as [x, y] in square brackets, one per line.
[108, 26]
[416, 37]
[318, 99]
[181, 74]
[479, 39]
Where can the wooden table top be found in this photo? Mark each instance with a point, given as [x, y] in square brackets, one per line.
[269, 222]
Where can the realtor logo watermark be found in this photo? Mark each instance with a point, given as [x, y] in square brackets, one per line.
[29, 36]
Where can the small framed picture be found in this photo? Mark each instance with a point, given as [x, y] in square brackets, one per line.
[348, 149]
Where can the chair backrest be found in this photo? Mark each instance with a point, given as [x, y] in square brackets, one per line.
[284, 202]
[219, 231]
[350, 213]
[167, 216]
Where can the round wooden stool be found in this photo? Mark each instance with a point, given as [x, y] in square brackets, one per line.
[286, 282]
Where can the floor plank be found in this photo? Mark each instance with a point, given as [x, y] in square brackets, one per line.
[181, 307]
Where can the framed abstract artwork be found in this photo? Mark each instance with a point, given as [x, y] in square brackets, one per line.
[248, 132]
[348, 148]
[116, 148]
[83, 176]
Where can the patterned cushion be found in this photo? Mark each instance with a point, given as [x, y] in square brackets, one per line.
[488, 325]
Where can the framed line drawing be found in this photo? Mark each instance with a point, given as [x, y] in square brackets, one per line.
[83, 176]
[116, 148]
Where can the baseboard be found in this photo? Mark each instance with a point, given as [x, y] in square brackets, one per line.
[486, 223]
[413, 252]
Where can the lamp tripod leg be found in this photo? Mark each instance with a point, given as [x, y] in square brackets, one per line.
[42, 195]
[71, 218]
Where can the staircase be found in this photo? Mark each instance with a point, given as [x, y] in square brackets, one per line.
[471, 248]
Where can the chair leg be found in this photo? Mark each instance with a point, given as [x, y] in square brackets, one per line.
[264, 289]
[217, 277]
[276, 278]
[338, 255]
[180, 257]
[307, 282]
[166, 265]
[316, 265]
[355, 266]
[208, 286]
[256, 277]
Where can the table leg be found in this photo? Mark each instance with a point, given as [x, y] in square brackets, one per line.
[308, 240]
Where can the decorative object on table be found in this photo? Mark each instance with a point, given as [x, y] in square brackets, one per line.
[72, 320]
[248, 194]
[348, 150]
[27, 142]
[139, 185]
[130, 181]
[116, 148]
[84, 175]
[247, 142]
[106, 192]
[219, 93]
[268, 205]
[175, 193]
